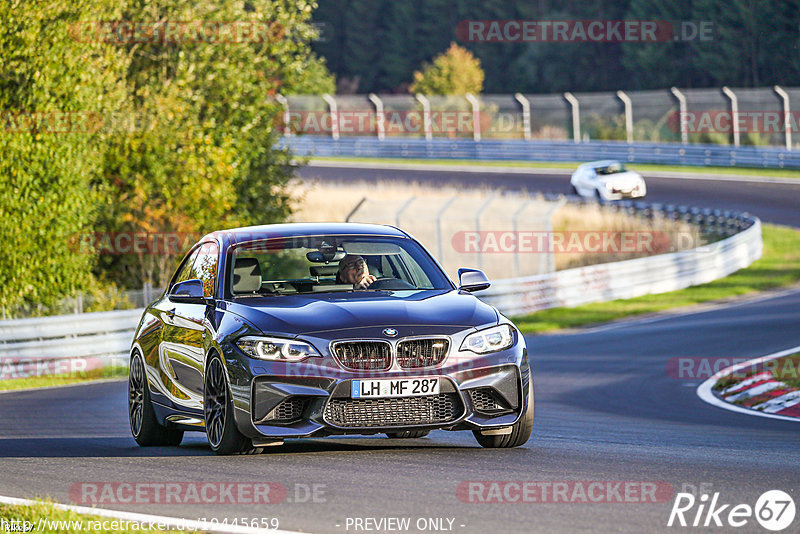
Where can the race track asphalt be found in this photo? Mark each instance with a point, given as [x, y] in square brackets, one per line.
[607, 409]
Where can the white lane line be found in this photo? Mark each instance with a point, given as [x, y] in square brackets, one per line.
[706, 394]
[170, 522]
[487, 169]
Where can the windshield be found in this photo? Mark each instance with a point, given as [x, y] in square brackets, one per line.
[325, 264]
[614, 168]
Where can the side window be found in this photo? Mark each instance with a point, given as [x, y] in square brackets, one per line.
[185, 270]
[204, 267]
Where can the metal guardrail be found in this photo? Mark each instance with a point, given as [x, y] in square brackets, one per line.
[65, 343]
[505, 150]
[29, 347]
[642, 276]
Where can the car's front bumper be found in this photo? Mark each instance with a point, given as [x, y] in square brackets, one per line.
[313, 397]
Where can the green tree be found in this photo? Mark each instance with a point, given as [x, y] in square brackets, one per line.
[455, 72]
[204, 156]
[48, 165]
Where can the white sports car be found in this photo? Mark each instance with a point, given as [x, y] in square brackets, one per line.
[607, 180]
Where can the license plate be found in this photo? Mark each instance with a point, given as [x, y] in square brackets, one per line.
[399, 387]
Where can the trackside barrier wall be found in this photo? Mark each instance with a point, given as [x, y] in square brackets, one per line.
[33, 346]
[520, 150]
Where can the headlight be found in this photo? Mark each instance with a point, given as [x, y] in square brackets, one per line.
[489, 340]
[277, 349]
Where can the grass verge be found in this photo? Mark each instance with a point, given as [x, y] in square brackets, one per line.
[571, 165]
[779, 267]
[52, 519]
[63, 380]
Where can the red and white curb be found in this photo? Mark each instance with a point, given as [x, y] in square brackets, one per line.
[175, 523]
[762, 394]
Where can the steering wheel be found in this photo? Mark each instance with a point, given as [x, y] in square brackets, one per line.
[389, 284]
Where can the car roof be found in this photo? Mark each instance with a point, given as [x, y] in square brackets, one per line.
[271, 231]
[600, 164]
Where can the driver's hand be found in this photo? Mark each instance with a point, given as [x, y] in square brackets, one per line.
[364, 282]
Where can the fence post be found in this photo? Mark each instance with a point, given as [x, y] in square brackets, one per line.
[439, 215]
[379, 116]
[549, 257]
[626, 100]
[576, 116]
[287, 118]
[476, 116]
[683, 114]
[526, 115]
[426, 116]
[787, 110]
[401, 210]
[734, 115]
[334, 109]
[515, 229]
[478, 215]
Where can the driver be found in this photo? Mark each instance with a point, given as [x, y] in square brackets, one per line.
[353, 270]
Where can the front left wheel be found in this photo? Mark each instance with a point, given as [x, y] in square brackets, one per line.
[520, 431]
[146, 429]
[223, 436]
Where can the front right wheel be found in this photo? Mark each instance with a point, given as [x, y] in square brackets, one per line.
[223, 436]
[520, 431]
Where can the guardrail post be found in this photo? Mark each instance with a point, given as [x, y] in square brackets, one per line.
[626, 100]
[734, 115]
[476, 115]
[380, 118]
[287, 117]
[426, 116]
[576, 116]
[787, 120]
[334, 109]
[526, 115]
[682, 111]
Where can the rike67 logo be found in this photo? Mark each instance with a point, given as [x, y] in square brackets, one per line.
[774, 510]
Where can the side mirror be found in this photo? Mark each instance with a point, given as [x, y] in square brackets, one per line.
[472, 280]
[190, 291]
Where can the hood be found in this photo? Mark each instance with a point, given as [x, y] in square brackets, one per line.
[311, 313]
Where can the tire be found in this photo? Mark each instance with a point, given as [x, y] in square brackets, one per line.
[146, 429]
[223, 436]
[520, 431]
[408, 434]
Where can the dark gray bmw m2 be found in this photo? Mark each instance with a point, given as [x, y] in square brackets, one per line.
[306, 330]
